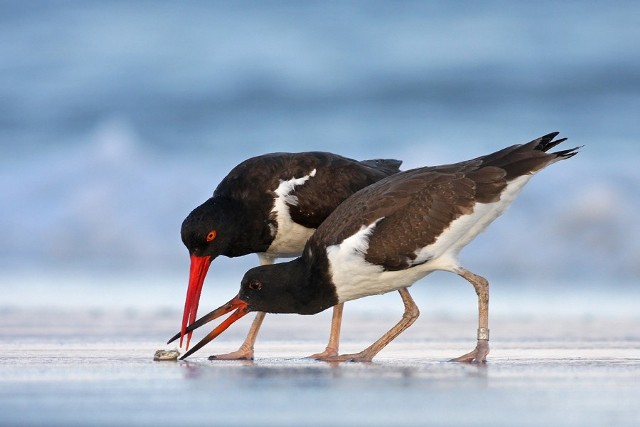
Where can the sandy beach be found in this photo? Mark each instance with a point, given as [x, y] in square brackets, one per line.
[95, 368]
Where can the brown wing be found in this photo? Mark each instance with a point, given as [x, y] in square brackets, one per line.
[415, 208]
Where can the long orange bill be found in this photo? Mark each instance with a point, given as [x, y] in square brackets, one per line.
[197, 273]
[220, 311]
[235, 304]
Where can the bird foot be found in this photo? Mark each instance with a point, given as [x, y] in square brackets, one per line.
[328, 352]
[477, 355]
[355, 357]
[243, 353]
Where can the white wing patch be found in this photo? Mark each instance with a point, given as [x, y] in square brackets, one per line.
[350, 273]
[284, 190]
[358, 244]
[290, 237]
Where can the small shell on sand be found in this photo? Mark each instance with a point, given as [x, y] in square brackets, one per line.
[166, 355]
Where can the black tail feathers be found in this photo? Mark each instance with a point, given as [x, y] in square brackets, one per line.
[547, 142]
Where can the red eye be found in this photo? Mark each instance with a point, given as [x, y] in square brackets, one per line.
[255, 285]
[212, 235]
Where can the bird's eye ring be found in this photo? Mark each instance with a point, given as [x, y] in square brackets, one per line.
[212, 235]
[255, 285]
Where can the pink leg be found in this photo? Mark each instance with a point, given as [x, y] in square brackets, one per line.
[245, 352]
[410, 315]
[334, 336]
[481, 285]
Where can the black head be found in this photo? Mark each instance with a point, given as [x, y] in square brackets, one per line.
[269, 288]
[212, 228]
[284, 288]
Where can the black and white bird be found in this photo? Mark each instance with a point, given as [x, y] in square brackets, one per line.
[270, 205]
[391, 234]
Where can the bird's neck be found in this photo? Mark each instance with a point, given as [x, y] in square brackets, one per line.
[250, 235]
[311, 285]
[290, 287]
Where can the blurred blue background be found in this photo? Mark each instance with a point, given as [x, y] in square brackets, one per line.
[117, 118]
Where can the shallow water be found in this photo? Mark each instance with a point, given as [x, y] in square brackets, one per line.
[97, 369]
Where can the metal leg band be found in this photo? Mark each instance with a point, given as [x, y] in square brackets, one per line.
[483, 334]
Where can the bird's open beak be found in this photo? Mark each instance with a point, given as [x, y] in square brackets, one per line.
[197, 273]
[236, 303]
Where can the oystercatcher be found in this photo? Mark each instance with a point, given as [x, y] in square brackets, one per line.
[389, 235]
[271, 205]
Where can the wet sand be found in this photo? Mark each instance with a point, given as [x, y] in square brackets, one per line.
[97, 368]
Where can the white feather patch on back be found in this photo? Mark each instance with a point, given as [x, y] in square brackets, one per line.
[290, 236]
[350, 273]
